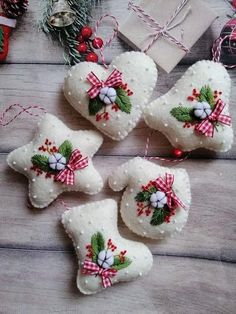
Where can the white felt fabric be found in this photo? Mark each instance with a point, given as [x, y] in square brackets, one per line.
[138, 71]
[157, 114]
[43, 191]
[82, 222]
[137, 172]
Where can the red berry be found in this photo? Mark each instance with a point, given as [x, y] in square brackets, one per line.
[92, 57]
[97, 43]
[86, 32]
[178, 153]
[82, 48]
[80, 38]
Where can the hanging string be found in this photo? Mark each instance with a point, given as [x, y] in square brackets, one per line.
[3, 117]
[110, 39]
[64, 204]
[161, 158]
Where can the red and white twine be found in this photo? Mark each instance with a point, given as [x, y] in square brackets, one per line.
[110, 39]
[161, 158]
[22, 110]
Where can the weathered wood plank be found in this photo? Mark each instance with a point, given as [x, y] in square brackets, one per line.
[44, 282]
[42, 85]
[210, 231]
[29, 45]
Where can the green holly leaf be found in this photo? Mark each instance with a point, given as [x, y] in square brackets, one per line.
[206, 94]
[123, 100]
[66, 149]
[95, 105]
[143, 196]
[121, 265]
[183, 114]
[1, 39]
[41, 162]
[159, 216]
[98, 244]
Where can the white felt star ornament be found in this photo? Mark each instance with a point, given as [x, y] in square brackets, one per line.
[57, 160]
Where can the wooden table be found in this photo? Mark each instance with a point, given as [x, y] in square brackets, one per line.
[192, 273]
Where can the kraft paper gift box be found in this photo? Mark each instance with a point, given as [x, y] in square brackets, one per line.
[189, 24]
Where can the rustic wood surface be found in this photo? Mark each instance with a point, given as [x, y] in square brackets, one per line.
[192, 273]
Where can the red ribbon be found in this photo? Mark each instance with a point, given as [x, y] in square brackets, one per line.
[113, 80]
[90, 268]
[206, 127]
[166, 187]
[76, 162]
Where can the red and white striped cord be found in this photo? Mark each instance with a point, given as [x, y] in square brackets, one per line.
[110, 39]
[161, 158]
[3, 116]
[216, 51]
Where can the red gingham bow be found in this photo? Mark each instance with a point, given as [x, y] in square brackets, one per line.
[90, 268]
[206, 127]
[76, 162]
[166, 187]
[113, 80]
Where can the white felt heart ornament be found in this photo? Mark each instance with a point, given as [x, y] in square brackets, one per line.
[195, 112]
[156, 201]
[105, 258]
[58, 160]
[114, 99]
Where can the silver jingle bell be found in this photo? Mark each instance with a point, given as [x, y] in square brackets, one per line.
[62, 15]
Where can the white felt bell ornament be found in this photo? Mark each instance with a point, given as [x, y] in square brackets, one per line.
[62, 15]
[202, 110]
[105, 258]
[57, 161]
[107, 95]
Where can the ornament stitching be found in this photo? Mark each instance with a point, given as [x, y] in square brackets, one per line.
[205, 114]
[158, 198]
[100, 260]
[112, 91]
[61, 163]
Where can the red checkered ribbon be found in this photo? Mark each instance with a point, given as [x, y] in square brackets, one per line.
[165, 185]
[90, 268]
[206, 127]
[113, 80]
[76, 162]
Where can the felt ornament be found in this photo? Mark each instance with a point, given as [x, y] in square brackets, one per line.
[113, 99]
[10, 11]
[156, 201]
[6, 26]
[57, 160]
[195, 112]
[105, 258]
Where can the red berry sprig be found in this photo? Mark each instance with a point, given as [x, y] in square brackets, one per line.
[87, 45]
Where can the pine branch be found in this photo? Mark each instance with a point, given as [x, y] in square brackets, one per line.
[206, 94]
[143, 196]
[98, 244]
[67, 35]
[183, 114]
[159, 216]
[41, 162]
[121, 265]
